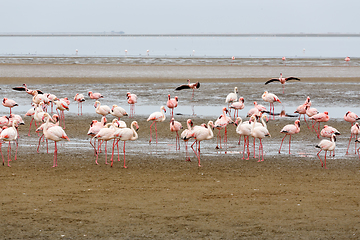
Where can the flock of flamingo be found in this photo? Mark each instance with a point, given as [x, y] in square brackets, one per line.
[101, 132]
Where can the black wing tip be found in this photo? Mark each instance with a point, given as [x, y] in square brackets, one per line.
[271, 80]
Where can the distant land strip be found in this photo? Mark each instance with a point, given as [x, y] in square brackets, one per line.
[122, 34]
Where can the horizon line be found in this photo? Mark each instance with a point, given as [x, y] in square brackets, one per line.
[123, 34]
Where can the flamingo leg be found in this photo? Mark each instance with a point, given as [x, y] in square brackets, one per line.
[55, 156]
[282, 142]
[289, 143]
[347, 151]
[9, 150]
[306, 122]
[124, 155]
[325, 160]
[187, 153]
[112, 153]
[2, 154]
[97, 154]
[156, 133]
[16, 142]
[320, 158]
[106, 152]
[150, 132]
[30, 126]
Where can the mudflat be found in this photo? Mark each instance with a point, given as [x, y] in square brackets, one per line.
[162, 196]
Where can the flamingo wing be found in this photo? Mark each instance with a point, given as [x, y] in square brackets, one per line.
[292, 78]
[181, 87]
[272, 80]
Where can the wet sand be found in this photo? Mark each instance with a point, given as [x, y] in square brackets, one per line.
[162, 196]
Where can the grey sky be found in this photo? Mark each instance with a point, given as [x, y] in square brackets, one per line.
[187, 16]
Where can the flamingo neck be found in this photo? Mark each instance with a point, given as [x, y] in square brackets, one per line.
[135, 135]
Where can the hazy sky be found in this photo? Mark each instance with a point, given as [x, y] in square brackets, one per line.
[186, 16]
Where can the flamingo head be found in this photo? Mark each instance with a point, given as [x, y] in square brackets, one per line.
[241, 99]
[136, 125]
[326, 113]
[89, 93]
[176, 98]
[297, 122]
[169, 96]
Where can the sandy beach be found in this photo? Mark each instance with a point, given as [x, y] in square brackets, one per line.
[161, 196]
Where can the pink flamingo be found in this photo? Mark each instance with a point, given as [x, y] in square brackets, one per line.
[61, 106]
[244, 129]
[55, 118]
[200, 134]
[55, 133]
[118, 112]
[259, 107]
[320, 117]
[328, 131]
[282, 80]
[311, 112]
[253, 111]
[259, 132]
[176, 126]
[79, 98]
[9, 103]
[126, 134]
[156, 117]
[270, 98]
[232, 97]
[29, 91]
[131, 99]
[355, 130]
[290, 129]
[351, 117]
[4, 121]
[238, 106]
[102, 109]
[94, 129]
[347, 59]
[184, 133]
[301, 110]
[326, 145]
[51, 98]
[95, 96]
[221, 123]
[189, 85]
[105, 134]
[172, 103]
[10, 134]
[38, 98]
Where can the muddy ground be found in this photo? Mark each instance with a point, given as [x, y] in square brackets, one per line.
[161, 196]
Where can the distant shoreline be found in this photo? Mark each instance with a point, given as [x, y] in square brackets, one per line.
[122, 34]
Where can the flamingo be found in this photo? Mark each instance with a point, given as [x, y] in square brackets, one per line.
[38, 114]
[221, 123]
[29, 91]
[172, 103]
[126, 134]
[328, 131]
[326, 145]
[95, 96]
[37, 98]
[55, 118]
[232, 97]
[176, 126]
[244, 129]
[238, 106]
[131, 99]
[311, 112]
[259, 132]
[320, 117]
[94, 129]
[156, 117]
[9, 103]
[347, 59]
[4, 121]
[301, 110]
[101, 109]
[105, 134]
[10, 134]
[282, 80]
[79, 98]
[200, 134]
[253, 111]
[118, 112]
[51, 98]
[290, 129]
[189, 85]
[351, 117]
[184, 133]
[270, 98]
[61, 106]
[355, 130]
[55, 133]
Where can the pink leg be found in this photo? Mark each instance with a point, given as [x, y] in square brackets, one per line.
[112, 154]
[16, 149]
[156, 133]
[9, 150]
[282, 142]
[150, 132]
[124, 155]
[325, 161]
[347, 151]
[187, 153]
[199, 155]
[289, 143]
[254, 149]
[320, 158]
[55, 156]
[306, 122]
[106, 153]
[97, 154]
[30, 126]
